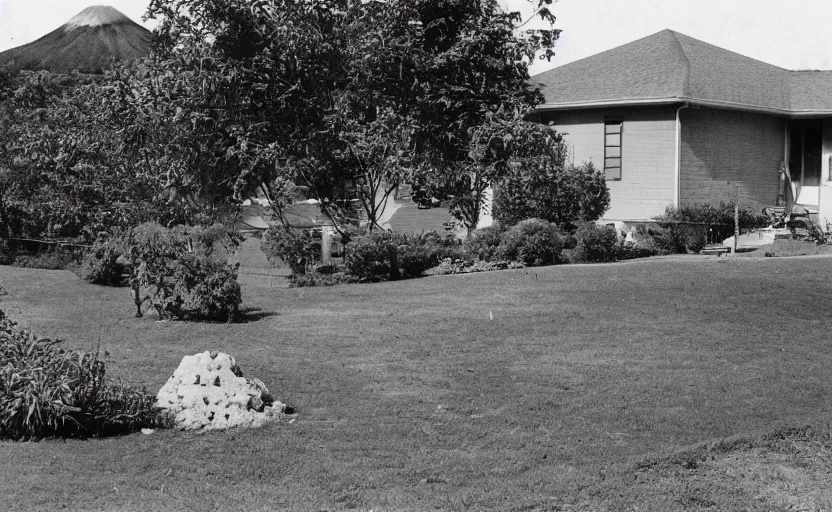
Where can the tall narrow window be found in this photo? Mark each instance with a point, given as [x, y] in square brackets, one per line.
[612, 149]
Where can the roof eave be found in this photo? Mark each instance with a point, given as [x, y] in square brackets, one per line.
[673, 100]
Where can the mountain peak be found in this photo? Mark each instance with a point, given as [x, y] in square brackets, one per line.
[96, 16]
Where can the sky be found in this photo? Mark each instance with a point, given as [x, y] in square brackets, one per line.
[792, 34]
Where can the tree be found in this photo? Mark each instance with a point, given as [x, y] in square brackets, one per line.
[346, 98]
[62, 170]
[472, 117]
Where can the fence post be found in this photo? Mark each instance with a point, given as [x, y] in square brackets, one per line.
[326, 244]
[736, 222]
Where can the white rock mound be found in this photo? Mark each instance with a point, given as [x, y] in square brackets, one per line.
[208, 392]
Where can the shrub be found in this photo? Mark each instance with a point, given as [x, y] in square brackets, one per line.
[383, 255]
[326, 269]
[185, 272]
[55, 258]
[484, 243]
[6, 255]
[595, 243]
[449, 266]
[46, 392]
[559, 193]
[415, 254]
[692, 226]
[295, 247]
[370, 257]
[316, 279]
[104, 263]
[414, 260]
[532, 242]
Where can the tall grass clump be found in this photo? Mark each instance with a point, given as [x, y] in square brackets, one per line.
[46, 391]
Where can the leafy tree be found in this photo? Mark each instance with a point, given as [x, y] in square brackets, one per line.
[63, 168]
[346, 98]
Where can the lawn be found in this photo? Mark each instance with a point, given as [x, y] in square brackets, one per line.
[575, 387]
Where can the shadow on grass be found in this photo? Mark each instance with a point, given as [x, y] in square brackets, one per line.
[252, 314]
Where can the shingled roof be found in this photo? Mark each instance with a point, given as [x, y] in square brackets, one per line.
[669, 67]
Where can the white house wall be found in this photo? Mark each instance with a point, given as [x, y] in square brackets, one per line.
[648, 153]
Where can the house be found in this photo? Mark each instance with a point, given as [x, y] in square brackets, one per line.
[672, 120]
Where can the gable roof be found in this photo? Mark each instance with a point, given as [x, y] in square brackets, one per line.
[669, 67]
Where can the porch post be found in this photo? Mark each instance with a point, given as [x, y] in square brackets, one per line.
[802, 155]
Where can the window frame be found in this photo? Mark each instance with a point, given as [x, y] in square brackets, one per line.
[608, 169]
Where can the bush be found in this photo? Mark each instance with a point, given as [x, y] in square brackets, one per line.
[6, 255]
[449, 266]
[559, 193]
[185, 272]
[56, 258]
[326, 269]
[383, 255]
[414, 260]
[370, 257]
[690, 227]
[532, 242]
[46, 392]
[295, 247]
[317, 279]
[484, 243]
[104, 263]
[595, 244]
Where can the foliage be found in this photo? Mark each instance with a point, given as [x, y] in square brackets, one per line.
[104, 262]
[316, 278]
[46, 391]
[291, 246]
[383, 255]
[692, 226]
[553, 191]
[347, 98]
[532, 242]
[484, 243]
[371, 257]
[64, 169]
[450, 266]
[414, 260]
[595, 243]
[6, 255]
[184, 271]
[54, 258]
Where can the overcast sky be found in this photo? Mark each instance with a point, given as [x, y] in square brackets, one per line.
[794, 34]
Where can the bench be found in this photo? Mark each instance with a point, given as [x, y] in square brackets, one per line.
[719, 250]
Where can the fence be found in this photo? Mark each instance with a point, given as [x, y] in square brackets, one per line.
[34, 247]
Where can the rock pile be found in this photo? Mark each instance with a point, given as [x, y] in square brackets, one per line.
[208, 392]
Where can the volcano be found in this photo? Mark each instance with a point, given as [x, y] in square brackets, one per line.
[89, 42]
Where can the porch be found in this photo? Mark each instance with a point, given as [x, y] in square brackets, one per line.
[807, 180]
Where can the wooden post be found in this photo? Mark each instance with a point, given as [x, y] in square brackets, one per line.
[736, 221]
[326, 244]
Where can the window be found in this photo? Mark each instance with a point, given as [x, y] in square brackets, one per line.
[612, 149]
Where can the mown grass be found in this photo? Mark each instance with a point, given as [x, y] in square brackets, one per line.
[411, 397]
